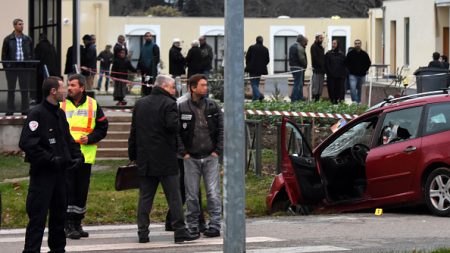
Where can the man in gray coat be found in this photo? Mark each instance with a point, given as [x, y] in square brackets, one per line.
[152, 145]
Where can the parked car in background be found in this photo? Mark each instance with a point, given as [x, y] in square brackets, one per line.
[395, 154]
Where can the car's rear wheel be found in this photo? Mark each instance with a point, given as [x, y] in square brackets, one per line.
[437, 192]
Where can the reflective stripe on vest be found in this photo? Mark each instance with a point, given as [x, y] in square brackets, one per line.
[82, 122]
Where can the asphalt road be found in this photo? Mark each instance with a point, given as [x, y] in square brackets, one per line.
[357, 232]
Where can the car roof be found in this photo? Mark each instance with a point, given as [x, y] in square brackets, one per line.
[410, 100]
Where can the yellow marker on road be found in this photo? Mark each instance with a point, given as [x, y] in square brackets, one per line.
[378, 211]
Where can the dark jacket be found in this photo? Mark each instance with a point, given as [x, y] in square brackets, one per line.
[45, 52]
[46, 135]
[88, 58]
[297, 56]
[121, 67]
[207, 57]
[152, 141]
[70, 61]
[435, 64]
[177, 62]
[117, 48]
[193, 61]
[335, 64]
[256, 60]
[214, 117]
[101, 123]
[105, 58]
[153, 70]
[318, 58]
[358, 63]
[9, 49]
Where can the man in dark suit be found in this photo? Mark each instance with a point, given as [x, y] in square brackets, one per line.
[152, 144]
[256, 61]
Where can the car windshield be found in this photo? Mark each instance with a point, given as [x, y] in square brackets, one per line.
[358, 134]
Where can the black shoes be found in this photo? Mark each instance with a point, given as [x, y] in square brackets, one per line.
[183, 235]
[144, 239]
[72, 233]
[80, 230]
[211, 232]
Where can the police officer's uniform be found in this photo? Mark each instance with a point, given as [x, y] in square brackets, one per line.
[85, 119]
[50, 150]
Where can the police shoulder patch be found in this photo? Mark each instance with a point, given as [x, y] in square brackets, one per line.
[33, 125]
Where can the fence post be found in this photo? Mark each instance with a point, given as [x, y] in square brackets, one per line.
[258, 133]
[278, 147]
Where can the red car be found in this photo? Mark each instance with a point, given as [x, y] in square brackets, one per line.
[397, 153]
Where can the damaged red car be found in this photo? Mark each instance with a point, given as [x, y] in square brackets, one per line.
[395, 154]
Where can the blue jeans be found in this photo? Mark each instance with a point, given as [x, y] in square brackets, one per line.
[100, 78]
[255, 88]
[194, 169]
[356, 83]
[297, 90]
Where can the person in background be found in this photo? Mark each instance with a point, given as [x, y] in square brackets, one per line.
[436, 63]
[207, 56]
[148, 63]
[88, 58]
[120, 69]
[51, 152]
[105, 57]
[177, 62]
[88, 125]
[152, 145]
[357, 63]
[256, 61]
[336, 73]
[193, 59]
[45, 52]
[318, 65]
[298, 63]
[121, 44]
[444, 60]
[17, 47]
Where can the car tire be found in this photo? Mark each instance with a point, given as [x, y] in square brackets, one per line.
[437, 192]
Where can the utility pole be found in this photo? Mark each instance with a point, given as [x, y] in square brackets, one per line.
[234, 129]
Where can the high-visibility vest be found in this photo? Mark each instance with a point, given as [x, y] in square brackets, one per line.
[82, 122]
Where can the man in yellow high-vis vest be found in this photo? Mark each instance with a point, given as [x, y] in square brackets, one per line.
[88, 125]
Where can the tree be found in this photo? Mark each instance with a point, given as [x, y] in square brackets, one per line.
[163, 11]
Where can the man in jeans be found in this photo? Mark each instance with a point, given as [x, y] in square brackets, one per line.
[298, 63]
[357, 63]
[200, 144]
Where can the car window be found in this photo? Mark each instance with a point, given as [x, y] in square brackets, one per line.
[400, 125]
[438, 118]
[295, 145]
[360, 133]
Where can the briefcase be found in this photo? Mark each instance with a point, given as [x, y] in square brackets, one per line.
[127, 178]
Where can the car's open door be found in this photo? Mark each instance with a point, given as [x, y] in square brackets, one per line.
[298, 167]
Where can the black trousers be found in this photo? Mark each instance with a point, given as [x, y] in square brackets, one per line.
[11, 78]
[336, 89]
[77, 191]
[147, 189]
[201, 217]
[46, 194]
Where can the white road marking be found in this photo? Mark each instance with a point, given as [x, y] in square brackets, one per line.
[156, 245]
[304, 249]
[87, 228]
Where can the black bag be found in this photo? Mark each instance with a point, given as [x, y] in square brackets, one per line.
[127, 177]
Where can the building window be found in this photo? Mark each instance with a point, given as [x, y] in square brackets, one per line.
[407, 41]
[342, 35]
[217, 43]
[134, 44]
[281, 53]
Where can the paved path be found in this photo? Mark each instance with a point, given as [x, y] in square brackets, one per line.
[361, 232]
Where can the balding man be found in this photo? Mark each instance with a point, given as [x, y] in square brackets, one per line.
[152, 144]
[298, 63]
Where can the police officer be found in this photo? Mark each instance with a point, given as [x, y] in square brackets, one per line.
[88, 125]
[51, 151]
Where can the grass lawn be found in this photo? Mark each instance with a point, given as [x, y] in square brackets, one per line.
[105, 205]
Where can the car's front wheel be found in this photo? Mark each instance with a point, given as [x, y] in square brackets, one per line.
[437, 192]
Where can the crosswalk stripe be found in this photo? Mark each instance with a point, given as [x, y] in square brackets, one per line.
[156, 245]
[304, 249]
[87, 228]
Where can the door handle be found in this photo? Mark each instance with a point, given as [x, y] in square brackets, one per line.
[409, 149]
